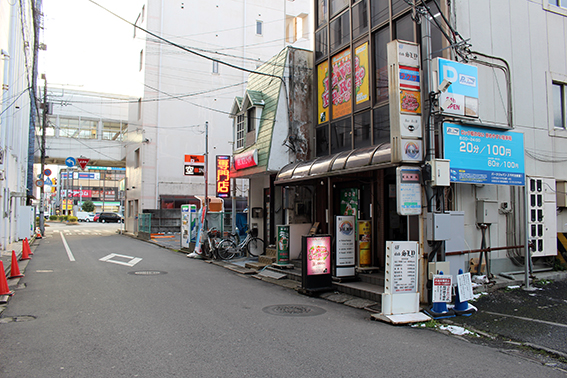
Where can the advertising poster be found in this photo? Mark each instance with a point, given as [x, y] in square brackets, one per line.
[318, 255]
[349, 201]
[361, 80]
[364, 239]
[484, 156]
[410, 102]
[442, 288]
[341, 83]
[345, 240]
[323, 92]
[283, 245]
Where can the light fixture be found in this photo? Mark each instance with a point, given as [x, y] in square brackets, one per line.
[445, 84]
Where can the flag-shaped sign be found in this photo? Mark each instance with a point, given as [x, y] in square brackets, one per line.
[83, 162]
[409, 78]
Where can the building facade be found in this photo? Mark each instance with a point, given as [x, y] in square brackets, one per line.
[190, 76]
[487, 170]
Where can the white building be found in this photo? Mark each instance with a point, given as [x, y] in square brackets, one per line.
[18, 58]
[185, 86]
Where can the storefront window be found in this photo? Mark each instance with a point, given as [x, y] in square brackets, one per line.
[362, 137]
[341, 136]
[340, 31]
[381, 127]
[359, 19]
[322, 141]
[380, 11]
[381, 39]
[321, 44]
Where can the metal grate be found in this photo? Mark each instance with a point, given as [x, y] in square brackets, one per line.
[293, 310]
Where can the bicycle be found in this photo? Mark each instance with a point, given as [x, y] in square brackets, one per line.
[211, 244]
[253, 245]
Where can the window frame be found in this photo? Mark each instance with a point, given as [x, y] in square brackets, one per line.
[554, 79]
[240, 131]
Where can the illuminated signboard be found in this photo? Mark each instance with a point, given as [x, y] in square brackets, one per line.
[246, 159]
[194, 165]
[223, 176]
[318, 255]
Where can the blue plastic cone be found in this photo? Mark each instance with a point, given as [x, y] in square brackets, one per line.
[439, 310]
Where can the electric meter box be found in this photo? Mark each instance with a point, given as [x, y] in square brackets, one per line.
[486, 211]
[438, 226]
[440, 172]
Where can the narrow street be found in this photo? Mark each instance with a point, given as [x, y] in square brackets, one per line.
[125, 307]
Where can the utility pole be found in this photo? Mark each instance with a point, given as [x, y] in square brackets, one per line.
[206, 207]
[42, 149]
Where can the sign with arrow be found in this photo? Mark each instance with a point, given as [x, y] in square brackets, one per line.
[70, 162]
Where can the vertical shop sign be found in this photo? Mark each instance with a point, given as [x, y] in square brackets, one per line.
[323, 92]
[364, 240]
[345, 245]
[223, 176]
[341, 83]
[361, 80]
[402, 271]
[283, 244]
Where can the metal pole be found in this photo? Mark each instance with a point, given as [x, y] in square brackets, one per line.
[526, 241]
[206, 172]
[42, 188]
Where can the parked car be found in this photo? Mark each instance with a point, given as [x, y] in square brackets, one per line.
[110, 217]
[83, 216]
[95, 219]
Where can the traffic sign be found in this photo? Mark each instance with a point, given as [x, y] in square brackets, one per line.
[70, 162]
[39, 183]
[83, 162]
[47, 172]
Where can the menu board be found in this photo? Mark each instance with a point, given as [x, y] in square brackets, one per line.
[402, 274]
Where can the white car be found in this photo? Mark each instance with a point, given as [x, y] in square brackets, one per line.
[83, 216]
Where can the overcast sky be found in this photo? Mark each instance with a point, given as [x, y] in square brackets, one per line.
[87, 47]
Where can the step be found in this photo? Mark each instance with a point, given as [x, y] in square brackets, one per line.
[373, 278]
[271, 252]
[254, 265]
[266, 260]
[292, 274]
[360, 289]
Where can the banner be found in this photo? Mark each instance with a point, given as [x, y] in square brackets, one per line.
[341, 83]
[361, 79]
[323, 97]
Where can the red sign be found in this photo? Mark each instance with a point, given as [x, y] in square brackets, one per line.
[246, 160]
[223, 176]
[194, 165]
[83, 162]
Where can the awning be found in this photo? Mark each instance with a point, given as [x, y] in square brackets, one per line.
[362, 159]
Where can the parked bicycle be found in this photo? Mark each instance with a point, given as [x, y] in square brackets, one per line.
[212, 243]
[252, 245]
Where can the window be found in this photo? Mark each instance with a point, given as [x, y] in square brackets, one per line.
[215, 67]
[341, 136]
[321, 44]
[251, 120]
[380, 11]
[240, 131]
[295, 28]
[362, 137]
[359, 19]
[113, 130]
[559, 106]
[258, 27]
[137, 158]
[337, 6]
[322, 139]
[88, 129]
[340, 30]
[381, 125]
[68, 128]
[404, 29]
[322, 10]
[381, 39]
[399, 6]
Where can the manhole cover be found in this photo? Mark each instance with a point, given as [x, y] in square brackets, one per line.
[147, 272]
[14, 319]
[293, 310]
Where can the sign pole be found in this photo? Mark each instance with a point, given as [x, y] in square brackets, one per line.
[206, 172]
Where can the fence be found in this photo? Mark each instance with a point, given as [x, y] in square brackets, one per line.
[145, 223]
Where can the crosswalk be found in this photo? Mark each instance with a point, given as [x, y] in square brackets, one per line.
[80, 232]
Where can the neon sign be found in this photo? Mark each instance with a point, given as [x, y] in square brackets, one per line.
[223, 176]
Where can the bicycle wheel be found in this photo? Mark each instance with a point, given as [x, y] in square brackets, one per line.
[227, 249]
[206, 249]
[255, 247]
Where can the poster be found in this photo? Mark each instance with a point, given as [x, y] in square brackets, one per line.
[349, 201]
[364, 239]
[345, 240]
[318, 255]
[410, 102]
[341, 83]
[323, 93]
[361, 79]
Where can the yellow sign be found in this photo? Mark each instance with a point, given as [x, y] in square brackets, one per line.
[323, 92]
[361, 73]
[364, 238]
[341, 83]
[410, 102]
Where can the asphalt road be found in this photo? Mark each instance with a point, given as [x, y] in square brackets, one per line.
[145, 311]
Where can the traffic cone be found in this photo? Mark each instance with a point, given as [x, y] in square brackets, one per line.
[462, 308]
[4, 289]
[25, 250]
[439, 310]
[28, 246]
[15, 270]
[38, 233]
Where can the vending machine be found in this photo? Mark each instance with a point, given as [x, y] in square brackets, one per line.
[188, 224]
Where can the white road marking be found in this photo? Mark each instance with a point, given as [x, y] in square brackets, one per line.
[69, 253]
[133, 260]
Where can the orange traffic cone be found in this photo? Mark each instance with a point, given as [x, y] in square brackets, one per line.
[4, 289]
[25, 250]
[27, 243]
[38, 233]
[15, 270]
